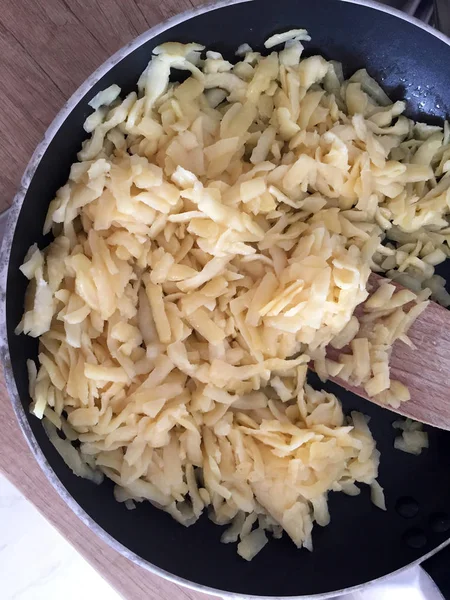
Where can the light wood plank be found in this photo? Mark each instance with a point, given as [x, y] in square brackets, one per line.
[47, 50]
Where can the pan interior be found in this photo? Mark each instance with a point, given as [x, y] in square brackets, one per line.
[362, 542]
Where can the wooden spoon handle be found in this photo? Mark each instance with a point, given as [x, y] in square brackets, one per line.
[425, 370]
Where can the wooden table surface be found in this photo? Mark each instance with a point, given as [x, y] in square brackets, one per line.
[47, 49]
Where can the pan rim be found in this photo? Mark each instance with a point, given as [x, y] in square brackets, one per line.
[5, 358]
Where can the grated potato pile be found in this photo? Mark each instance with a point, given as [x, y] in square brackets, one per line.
[412, 438]
[214, 237]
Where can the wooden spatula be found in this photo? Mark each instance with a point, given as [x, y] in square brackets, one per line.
[424, 370]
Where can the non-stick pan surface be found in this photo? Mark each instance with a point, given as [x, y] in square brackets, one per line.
[362, 543]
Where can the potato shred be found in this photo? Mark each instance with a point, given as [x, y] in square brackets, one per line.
[214, 237]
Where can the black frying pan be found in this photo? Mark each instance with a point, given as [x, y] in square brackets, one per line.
[362, 543]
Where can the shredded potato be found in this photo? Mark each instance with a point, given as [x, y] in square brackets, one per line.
[214, 237]
[412, 438]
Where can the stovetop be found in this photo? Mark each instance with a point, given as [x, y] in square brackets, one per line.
[433, 12]
[421, 9]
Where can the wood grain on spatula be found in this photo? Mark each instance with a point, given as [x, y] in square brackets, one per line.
[425, 370]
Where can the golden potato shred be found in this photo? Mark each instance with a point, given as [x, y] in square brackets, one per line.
[214, 237]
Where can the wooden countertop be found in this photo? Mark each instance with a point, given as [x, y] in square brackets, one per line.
[47, 49]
